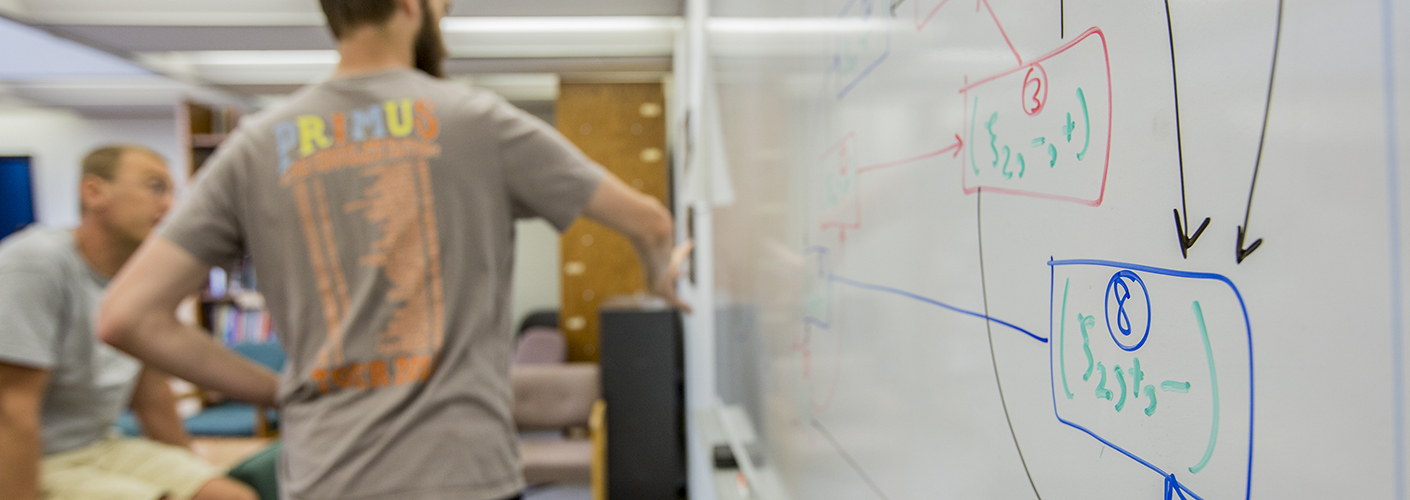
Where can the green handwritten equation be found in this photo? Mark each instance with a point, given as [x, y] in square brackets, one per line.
[1042, 129]
[1134, 373]
[1007, 158]
[1157, 364]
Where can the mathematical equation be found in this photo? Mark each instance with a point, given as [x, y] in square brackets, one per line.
[1156, 364]
[1033, 134]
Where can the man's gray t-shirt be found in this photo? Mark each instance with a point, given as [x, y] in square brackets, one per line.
[48, 295]
[379, 212]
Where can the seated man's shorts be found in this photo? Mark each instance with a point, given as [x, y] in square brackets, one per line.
[124, 469]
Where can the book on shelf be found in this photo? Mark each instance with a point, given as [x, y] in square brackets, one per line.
[234, 325]
[234, 311]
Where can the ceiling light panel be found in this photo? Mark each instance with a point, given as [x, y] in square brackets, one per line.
[466, 38]
[246, 67]
[584, 24]
[504, 37]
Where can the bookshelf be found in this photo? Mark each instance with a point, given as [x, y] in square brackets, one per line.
[230, 305]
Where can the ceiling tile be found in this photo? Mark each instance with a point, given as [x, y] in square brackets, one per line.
[47, 57]
[187, 38]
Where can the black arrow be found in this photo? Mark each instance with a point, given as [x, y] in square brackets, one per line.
[1240, 252]
[1181, 224]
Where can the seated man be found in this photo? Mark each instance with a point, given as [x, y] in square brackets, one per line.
[60, 388]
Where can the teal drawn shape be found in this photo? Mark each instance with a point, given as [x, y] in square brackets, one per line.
[1007, 156]
[1083, 323]
[838, 188]
[1136, 377]
[1213, 389]
[1052, 156]
[1121, 379]
[1062, 341]
[1175, 387]
[1087, 122]
[1150, 394]
[1102, 391]
[993, 138]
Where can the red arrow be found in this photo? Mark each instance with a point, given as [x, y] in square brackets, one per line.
[959, 144]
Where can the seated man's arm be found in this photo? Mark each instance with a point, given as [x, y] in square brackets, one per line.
[155, 408]
[21, 446]
[138, 316]
[648, 225]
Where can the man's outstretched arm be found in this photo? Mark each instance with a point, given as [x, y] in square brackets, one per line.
[648, 225]
[138, 316]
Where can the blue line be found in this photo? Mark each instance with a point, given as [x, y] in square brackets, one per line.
[866, 72]
[1397, 319]
[842, 94]
[1148, 269]
[1052, 290]
[927, 300]
[1130, 455]
[1113, 446]
[1248, 485]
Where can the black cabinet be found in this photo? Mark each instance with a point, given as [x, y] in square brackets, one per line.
[643, 382]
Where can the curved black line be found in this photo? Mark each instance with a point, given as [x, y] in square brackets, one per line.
[979, 211]
[1242, 252]
[856, 467]
[1267, 105]
[1179, 146]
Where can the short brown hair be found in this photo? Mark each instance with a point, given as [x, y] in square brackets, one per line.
[103, 162]
[344, 15]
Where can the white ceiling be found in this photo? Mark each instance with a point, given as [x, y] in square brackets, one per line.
[48, 56]
[262, 48]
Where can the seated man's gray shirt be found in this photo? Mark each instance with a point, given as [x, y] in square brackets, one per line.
[48, 295]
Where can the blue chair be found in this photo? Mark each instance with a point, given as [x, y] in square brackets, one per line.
[229, 418]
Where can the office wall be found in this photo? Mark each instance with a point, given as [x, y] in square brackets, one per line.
[58, 140]
[536, 278]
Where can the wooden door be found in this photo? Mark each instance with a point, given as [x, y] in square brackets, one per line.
[622, 126]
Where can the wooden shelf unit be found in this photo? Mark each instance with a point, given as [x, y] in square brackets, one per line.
[202, 129]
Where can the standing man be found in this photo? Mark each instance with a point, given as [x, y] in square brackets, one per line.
[60, 388]
[378, 208]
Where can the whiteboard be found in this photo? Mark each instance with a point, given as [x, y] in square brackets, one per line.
[1065, 249]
